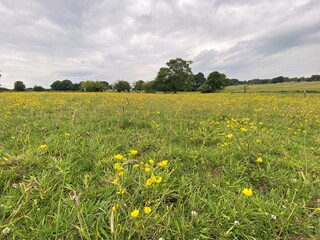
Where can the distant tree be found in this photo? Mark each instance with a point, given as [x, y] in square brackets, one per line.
[149, 87]
[175, 77]
[93, 86]
[56, 85]
[315, 78]
[215, 81]
[38, 88]
[198, 80]
[66, 85]
[137, 86]
[105, 85]
[76, 87]
[122, 86]
[19, 86]
[205, 88]
[279, 79]
[233, 81]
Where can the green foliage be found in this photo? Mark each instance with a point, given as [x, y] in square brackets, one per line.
[64, 85]
[38, 88]
[19, 86]
[93, 86]
[198, 80]
[215, 81]
[122, 86]
[205, 88]
[175, 77]
[149, 87]
[138, 86]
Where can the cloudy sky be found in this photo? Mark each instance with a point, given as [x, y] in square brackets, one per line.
[45, 40]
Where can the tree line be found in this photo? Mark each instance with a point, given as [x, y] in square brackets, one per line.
[176, 76]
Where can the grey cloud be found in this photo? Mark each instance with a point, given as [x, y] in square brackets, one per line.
[132, 39]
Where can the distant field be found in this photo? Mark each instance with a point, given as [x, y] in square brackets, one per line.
[278, 87]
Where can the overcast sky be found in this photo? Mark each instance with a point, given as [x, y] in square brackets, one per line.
[45, 40]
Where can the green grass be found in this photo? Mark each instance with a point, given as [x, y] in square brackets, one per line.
[57, 166]
[277, 87]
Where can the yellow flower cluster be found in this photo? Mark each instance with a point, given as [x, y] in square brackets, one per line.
[135, 213]
[153, 179]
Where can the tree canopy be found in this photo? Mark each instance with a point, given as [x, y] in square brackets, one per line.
[215, 81]
[175, 77]
[122, 86]
[19, 86]
[94, 86]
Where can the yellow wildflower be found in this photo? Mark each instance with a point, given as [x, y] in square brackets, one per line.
[135, 213]
[133, 152]
[117, 166]
[243, 129]
[158, 179]
[230, 135]
[247, 192]
[118, 157]
[43, 146]
[259, 160]
[114, 207]
[163, 163]
[136, 165]
[121, 191]
[115, 181]
[151, 161]
[120, 174]
[67, 134]
[147, 210]
[147, 169]
[149, 182]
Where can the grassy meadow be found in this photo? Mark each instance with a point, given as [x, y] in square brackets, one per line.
[159, 166]
[278, 87]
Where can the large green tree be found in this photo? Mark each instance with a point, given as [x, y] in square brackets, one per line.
[175, 77]
[198, 80]
[122, 86]
[93, 86]
[137, 86]
[215, 81]
[19, 86]
[64, 85]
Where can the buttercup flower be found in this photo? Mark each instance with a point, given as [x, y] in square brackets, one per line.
[43, 146]
[259, 160]
[158, 179]
[135, 213]
[163, 163]
[149, 182]
[114, 207]
[147, 210]
[118, 157]
[115, 181]
[133, 152]
[247, 191]
[230, 135]
[117, 166]
[121, 191]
